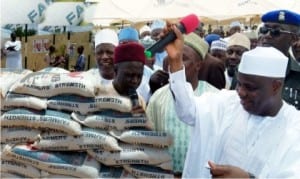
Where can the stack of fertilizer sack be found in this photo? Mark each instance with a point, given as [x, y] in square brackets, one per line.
[57, 124]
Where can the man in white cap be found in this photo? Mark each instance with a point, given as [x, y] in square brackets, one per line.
[214, 65]
[145, 31]
[238, 44]
[218, 49]
[234, 27]
[248, 133]
[105, 42]
[253, 37]
[156, 28]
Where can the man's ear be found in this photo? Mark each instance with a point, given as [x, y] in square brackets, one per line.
[276, 86]
[294, 38]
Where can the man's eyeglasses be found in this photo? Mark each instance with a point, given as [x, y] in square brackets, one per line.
[273, 32]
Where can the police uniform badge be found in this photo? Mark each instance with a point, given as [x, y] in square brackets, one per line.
[281, 16]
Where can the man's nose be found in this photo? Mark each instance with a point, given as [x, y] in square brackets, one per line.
[104, 55]
[233, 59]
[135, 79]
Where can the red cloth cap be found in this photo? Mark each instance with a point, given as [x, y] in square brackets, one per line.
[128, 52]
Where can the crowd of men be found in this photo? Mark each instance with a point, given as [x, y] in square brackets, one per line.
[231, 103]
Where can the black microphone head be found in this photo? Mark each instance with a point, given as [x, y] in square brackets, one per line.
[133, 97]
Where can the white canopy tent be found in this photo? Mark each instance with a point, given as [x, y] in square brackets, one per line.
[237, 8]
[215, 11]
[134, 11]
[292, 5]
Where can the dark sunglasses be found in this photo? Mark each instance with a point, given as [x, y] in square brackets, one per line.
[273, 32]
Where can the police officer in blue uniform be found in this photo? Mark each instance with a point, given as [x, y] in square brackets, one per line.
[281, 29]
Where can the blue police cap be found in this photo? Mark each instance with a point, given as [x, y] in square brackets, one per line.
[128, 34]
[282, 16]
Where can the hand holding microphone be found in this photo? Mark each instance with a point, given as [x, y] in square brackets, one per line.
[173, 41]
[187, 24]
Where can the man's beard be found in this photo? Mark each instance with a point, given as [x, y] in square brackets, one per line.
[231, 71]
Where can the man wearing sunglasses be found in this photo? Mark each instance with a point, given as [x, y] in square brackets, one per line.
[280, 31]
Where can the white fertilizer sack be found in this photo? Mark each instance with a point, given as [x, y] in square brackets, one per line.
[10, 76]
[77, 164]
[85, 105]
[20, 168]
[54, 70]
[14, 135]
[21, 100]
[44, 84]
[152, 138]
[10, 175]
[57, 176]
[146, 171]
[132, 154]
[89, 139]
[110, 119]
[113, 172]
[45, 119]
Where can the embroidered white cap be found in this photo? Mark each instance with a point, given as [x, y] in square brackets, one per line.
[240, 40]
[218, 45]
[106, 36]
[264, 61]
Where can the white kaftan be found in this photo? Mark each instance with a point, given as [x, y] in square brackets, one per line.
[268, 147]
[13, 58]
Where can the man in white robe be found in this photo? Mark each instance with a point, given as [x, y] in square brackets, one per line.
[13, 53]
[250, 132]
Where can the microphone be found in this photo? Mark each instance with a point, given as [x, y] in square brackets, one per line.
[133, 97]
[187, 24]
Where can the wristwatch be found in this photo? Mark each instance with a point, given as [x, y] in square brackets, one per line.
[251, 175]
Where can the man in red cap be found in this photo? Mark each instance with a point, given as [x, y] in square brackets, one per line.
[129, 60]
